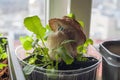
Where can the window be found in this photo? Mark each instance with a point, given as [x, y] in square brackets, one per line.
[105, 20]
[12, 13]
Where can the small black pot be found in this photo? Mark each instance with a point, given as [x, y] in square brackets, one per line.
[110, 51]
[76, 71]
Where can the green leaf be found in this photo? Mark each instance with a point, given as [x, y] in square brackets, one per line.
[34, 25]
[81, 23]
[45, 51]
[80, 48]
[28, 69]
[81, 58]
[1, 50]
[84, 51]
[32, 60]
[4, 41]
[89, 41]
[3, 56]
[26, 42]
[71, 15]
[2, 65]
[48, 27]
[67, 58]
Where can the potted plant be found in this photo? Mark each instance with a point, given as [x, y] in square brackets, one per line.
[110, 51]
[57, 51]
[5, 66]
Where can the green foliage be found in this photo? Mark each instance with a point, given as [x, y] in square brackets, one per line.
[2, 65]
[34, 25]
[32, 60]
[3, 54]
[48, 27]
[26, 42]
[81, 58]
[82, 49]
[40, 52]
[71, 15]
[67, 58]
[81, 23]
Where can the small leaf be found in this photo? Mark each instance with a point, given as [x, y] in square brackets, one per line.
[2, 65]
[34, 25]
[81, 58]
[81, 23]
[1, 49]
[71, 15]
[32, 60]
[79, 48]
[4, 41]
[84, 51]
[89, 41]
[28, 69]
[48, 27]
[67, 58]
[3, 56]
[26, 42]
[45, 50]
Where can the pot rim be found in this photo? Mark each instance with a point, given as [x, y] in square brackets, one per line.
[112, 54]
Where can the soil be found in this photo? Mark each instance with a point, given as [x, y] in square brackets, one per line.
[114, 49]
[75, 65]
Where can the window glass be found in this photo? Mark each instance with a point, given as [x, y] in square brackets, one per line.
[105, 20]
[13, 12]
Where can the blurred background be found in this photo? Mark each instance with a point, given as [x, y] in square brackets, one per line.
[12, 14]
[105, 20]
[104, 25]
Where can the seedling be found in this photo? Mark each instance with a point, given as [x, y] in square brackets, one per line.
[37, 42]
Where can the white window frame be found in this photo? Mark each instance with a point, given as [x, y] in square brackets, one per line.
[81, 9]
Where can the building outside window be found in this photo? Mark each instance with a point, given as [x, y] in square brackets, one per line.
[13, 12]
[105, 20]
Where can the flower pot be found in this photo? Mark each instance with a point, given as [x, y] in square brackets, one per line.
[87, 72]
[110, 51]
[6, 73]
